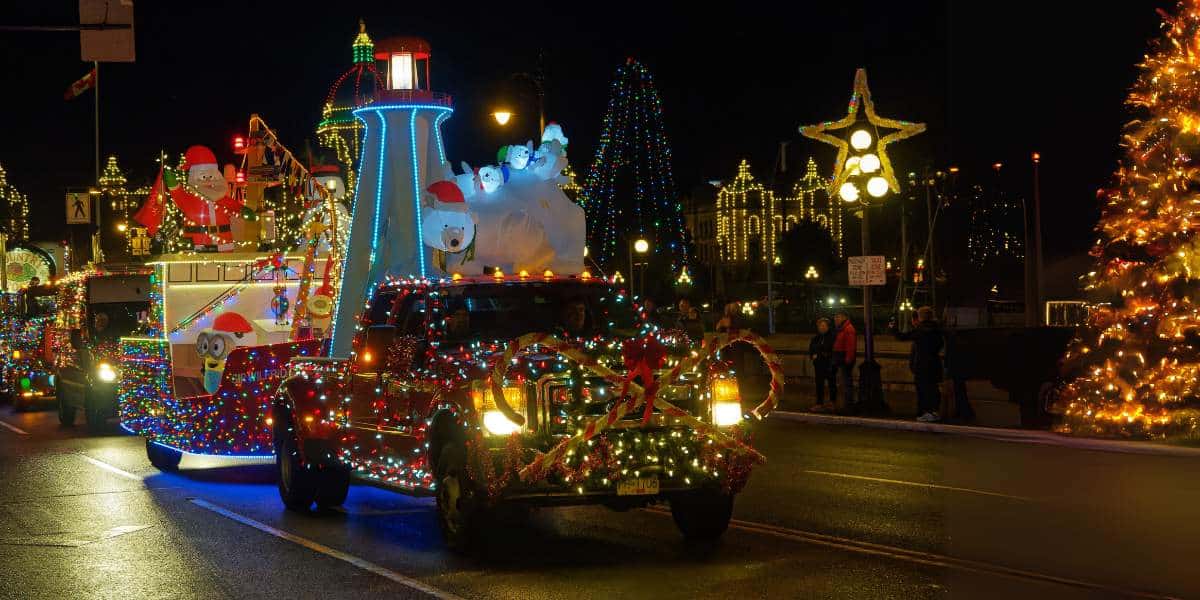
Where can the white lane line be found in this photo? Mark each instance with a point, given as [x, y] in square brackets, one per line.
[363, 564]
[112, 469]
[13, 428]
[917, 484]
[925, 558]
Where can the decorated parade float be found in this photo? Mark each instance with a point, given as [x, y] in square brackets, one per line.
[247, 284]
[26, 314]
[473, 357]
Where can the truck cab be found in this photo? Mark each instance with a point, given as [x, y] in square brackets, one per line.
[415, 408]
[96, 307]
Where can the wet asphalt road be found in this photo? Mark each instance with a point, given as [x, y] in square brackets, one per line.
[838, 512]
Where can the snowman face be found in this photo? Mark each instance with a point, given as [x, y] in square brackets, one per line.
[518, 156]
[208, 180]
[490, 179]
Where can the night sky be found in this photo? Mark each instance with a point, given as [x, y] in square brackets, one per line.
[994, 81]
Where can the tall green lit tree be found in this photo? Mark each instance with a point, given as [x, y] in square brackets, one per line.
[1137, 360]
[629, 191]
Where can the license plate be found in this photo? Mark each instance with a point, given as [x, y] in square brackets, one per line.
[638, 486]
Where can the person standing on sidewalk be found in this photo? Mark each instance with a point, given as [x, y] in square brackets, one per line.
[925, 362]
[845, 350]
[820, 349]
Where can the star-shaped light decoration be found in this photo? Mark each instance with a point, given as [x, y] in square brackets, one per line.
[860, 98]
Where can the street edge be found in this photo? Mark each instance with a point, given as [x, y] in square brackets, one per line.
[1020, 436]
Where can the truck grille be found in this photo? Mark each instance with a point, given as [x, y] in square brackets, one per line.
[564, 404]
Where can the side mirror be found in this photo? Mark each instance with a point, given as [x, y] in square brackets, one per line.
[373, 352]
[405, 352]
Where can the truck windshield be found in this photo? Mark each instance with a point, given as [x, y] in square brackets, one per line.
[111, 320]
[497, 312]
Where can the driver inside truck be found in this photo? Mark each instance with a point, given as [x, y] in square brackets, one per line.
[574, 317]
[458, 324]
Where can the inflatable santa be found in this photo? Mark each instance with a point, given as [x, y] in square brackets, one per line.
[204, 202]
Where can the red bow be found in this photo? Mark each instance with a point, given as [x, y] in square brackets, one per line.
[642, 356]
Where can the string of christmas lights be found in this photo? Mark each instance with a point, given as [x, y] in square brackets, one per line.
[630, 188]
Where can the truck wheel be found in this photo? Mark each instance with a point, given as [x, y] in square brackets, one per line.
[162, 457]
[66, 412]
[297, 483]
[458, 499]
[703, 515]
[333, 486]
[96, 417]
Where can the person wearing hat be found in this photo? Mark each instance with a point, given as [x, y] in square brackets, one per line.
[204, 202]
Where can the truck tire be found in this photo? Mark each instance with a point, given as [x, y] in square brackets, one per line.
[459, 501]
[163, 458]
[333, 487]
[702, 515]
[66, 412]
[95, 416]
[297, 481]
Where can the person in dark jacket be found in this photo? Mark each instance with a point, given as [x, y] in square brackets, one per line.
[957, 370]
[820, 350]
[925, 362]
[689, 321]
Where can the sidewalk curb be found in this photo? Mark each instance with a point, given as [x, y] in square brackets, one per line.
[1020, 436]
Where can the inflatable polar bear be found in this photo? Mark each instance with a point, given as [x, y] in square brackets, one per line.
[524, 223]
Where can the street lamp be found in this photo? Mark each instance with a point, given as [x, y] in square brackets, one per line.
[502, 117]
[641, 246]
[812, 273]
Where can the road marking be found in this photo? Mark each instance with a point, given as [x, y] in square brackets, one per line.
[112, 469]
[924, 558]
[917, 484]
[326, 550]
[13, 428]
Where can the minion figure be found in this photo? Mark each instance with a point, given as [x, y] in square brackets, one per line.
[214, 344]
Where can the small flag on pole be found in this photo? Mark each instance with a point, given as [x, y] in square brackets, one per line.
[85, 83]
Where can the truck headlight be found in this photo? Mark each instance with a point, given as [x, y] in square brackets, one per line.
[494, 421]
[106, 373]
[726, 405]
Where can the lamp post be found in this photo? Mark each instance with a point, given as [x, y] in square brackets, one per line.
[641, 246]
[538, 80]
[863, 175]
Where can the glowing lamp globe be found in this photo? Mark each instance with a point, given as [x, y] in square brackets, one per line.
[848, 192]
[852, 165]
[502, 117]
[641, 246]
[869, 163]
[861, 140]
[877, 186]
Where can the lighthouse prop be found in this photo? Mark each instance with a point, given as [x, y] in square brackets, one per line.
[414, 216]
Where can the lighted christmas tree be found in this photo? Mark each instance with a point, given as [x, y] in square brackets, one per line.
[1137, 361]
[630, 189]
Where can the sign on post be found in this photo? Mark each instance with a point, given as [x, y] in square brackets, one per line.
[867, 270]
[79, 208]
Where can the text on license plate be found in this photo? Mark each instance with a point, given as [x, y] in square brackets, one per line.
[638, 486]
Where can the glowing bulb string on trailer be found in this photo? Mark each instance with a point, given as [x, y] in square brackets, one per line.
[230, 293]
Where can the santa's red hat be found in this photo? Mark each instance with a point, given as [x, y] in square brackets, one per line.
[231, 322]
[446, 191]
[198, 156]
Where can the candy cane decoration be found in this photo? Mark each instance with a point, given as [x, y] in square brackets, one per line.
[637, 395]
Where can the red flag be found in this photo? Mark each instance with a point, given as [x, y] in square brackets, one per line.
[84, 84]
[152, 211]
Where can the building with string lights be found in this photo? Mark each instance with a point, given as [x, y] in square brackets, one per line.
[338, 131]
[14, 210]
[750, 219]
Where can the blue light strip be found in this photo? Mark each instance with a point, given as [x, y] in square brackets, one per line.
[379, 186]
[416, 180]
[437, 131]
[337, 298]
